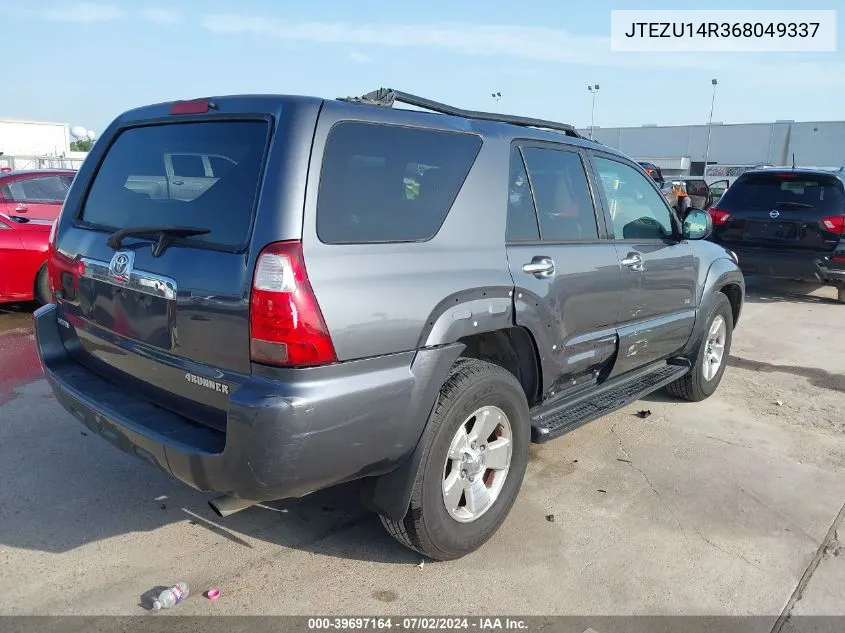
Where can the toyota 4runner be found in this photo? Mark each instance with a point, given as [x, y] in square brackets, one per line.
[404, 296]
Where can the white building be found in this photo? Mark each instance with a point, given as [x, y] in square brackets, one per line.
[34, 138]
[681, 149]
[37, 145]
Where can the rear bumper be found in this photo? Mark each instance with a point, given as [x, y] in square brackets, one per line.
[809, 266]
[284, 438]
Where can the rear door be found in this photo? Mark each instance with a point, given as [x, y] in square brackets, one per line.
[157, 322]
[659, 272]
[699, 193]
[565, 271]
[188, 175]
[787, 210]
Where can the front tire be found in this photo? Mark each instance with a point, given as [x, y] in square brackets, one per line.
[712, 357]
[475, 459]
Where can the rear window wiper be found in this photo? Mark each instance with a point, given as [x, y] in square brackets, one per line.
[165, 235]
[795, 205]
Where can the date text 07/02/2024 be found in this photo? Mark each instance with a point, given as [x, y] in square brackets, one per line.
[417, 624]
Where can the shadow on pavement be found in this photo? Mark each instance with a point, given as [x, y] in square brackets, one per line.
[763, 290]
[63, 488]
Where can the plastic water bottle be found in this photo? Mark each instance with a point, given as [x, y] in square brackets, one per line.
[171, 597]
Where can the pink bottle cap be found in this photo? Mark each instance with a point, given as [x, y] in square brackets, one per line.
[212, 594]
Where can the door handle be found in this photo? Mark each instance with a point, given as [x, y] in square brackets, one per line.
[178, 182]
[21, 208]
[634, 261]
[540, 267]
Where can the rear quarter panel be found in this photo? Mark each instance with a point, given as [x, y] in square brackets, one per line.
[387, 298]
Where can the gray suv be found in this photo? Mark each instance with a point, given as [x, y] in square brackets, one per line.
[360, 291]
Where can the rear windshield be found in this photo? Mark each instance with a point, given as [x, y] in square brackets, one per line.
[198, 175]
[770, 191]
[386, 183]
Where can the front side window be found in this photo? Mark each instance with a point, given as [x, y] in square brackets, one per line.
[637, 210]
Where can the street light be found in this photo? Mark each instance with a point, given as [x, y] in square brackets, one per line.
[710, 125]
[497, 96]
[594, 90]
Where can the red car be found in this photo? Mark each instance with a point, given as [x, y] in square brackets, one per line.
[34, 194]
[30, 202]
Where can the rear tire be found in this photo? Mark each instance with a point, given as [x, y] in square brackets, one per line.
[42, 287]
[445, 533]
[704, 377]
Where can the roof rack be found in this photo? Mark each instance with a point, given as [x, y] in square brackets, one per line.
[386, 97]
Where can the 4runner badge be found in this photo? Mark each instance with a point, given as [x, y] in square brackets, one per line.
[207, 383]
[120, 267]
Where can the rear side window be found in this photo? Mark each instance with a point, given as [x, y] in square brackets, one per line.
[386, 183]
[39, 189]
[561, 195]
[187, 165]
[138, 183]
[785, 190]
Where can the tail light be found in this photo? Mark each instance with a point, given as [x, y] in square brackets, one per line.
[63, 272]
[285, 322]
[195, 106]
[834, 223]
[719, 216]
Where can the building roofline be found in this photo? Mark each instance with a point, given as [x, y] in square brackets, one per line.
[684, 125]
[32, 122]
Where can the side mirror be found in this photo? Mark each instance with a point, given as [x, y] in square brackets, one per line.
[698, 225]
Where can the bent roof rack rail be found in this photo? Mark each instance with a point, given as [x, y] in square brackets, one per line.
[386, 97]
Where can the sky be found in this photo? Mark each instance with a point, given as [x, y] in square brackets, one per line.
[84, 63]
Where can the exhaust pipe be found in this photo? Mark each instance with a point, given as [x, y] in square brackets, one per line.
[226, 505]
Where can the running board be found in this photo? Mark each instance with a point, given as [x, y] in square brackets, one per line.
[565, 416]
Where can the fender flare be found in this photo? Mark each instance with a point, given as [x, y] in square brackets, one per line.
[462, 314]
[722, 272]
[390, 494]
[466, 313]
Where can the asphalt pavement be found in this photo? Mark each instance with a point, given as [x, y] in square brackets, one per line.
[733, 506]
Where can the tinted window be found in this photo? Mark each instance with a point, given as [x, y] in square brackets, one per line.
[219, 165]
[769, 191]
[187, 166]
[522, 217]
[384, 183]
[132, 187]
[697, 188]
[43, 189]
[561, 195]
[636, 209]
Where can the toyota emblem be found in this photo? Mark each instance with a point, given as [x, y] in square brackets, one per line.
[774, 213]
[120, 267]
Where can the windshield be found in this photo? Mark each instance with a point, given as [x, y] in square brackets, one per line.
[202, 175]
[785, 190]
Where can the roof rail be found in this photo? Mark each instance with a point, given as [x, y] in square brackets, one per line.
[386, 97]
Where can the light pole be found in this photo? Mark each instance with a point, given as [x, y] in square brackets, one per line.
[594, 90]
[710, 125]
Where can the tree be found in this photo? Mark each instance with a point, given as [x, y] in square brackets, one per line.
[82, 145]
